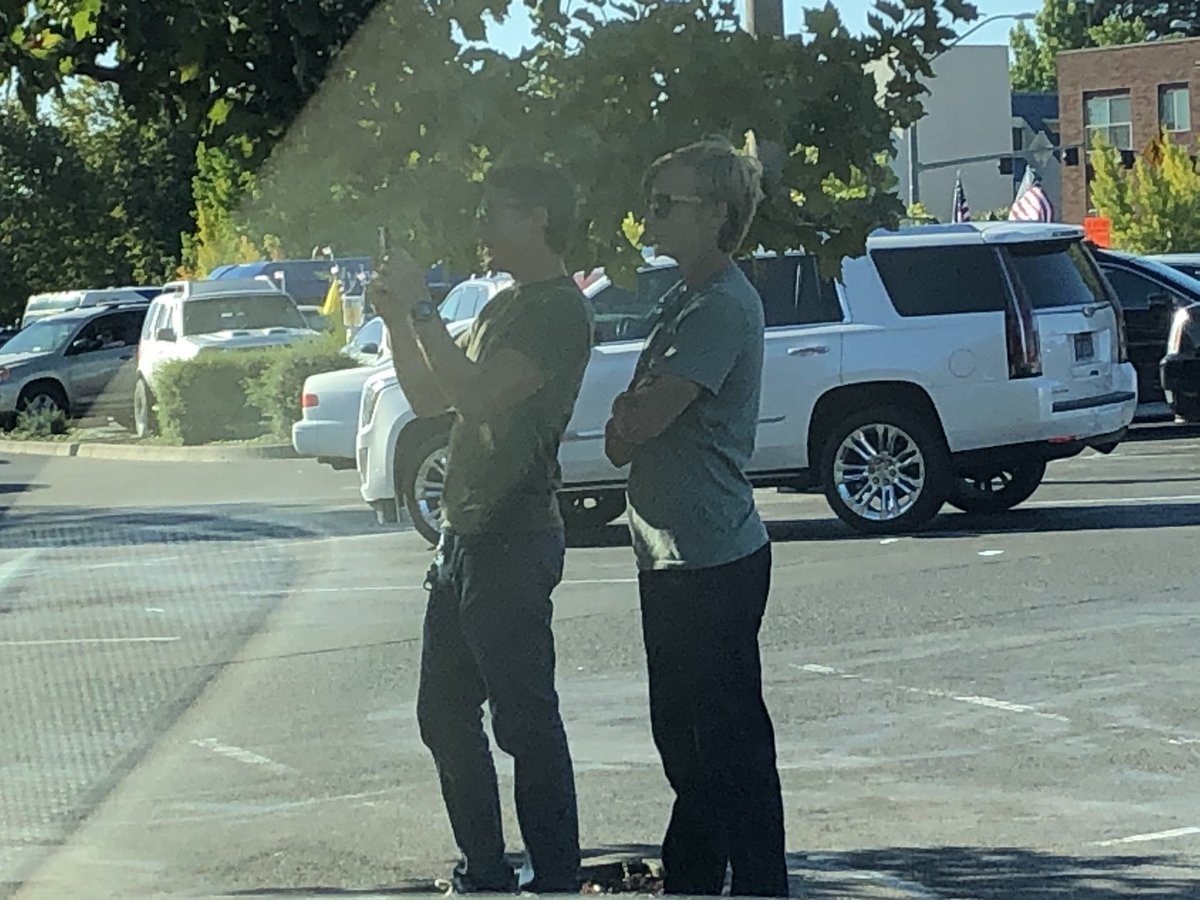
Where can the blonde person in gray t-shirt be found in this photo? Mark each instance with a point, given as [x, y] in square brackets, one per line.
[686, 425]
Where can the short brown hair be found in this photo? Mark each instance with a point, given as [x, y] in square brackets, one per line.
[725, 176]
[540, 184]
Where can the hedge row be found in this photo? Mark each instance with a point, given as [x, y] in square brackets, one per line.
[239, 394]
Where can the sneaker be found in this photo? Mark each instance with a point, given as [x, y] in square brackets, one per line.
[463, 882]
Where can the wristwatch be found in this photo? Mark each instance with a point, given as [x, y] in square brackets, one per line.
[424, 311]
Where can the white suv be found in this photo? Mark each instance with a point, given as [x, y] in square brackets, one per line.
[193, 317]
[949, 364]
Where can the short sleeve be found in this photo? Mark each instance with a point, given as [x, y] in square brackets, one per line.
[555, 334]
[707, 341]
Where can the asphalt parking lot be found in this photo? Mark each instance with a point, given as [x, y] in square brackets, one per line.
[209, 675]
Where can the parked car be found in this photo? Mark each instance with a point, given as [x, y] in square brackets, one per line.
[1187, 263]
[1180, 368]
[330, 401]
[194, 317]
[305, 280]
[38, 306]
[1150, 293]
[949, 364]
[80, 361]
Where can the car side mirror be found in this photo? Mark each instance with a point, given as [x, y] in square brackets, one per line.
[165, 334]
[82, 345]
[369, 349]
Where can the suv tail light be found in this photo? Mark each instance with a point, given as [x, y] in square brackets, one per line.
[1021, 338]
[308, 401]
[1122, 337]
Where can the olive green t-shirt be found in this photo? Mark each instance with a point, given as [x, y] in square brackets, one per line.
[503, 472]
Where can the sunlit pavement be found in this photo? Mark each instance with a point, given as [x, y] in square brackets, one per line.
[209, 670]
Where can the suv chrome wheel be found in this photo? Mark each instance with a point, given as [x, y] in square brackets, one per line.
[880, 472]
[885, 469]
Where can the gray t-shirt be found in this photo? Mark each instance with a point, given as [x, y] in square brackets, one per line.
[690, 503]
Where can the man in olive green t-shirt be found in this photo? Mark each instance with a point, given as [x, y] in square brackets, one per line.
[511, 382]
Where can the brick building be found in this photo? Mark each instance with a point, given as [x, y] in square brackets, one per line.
[1127, 94]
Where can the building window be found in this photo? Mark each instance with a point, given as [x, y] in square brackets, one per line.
[1109, 117]
[1174, 109]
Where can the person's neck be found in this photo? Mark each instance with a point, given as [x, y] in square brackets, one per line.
[538, 266]
[700, 269]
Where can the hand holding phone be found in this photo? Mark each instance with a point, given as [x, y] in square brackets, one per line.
[398, 282]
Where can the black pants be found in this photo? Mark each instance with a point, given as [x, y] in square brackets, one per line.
[712, 728]
[487, 637]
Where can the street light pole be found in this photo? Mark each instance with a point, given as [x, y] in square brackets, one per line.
[913, 152]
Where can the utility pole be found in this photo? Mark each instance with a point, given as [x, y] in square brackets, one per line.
[914, 154]
[764, 17]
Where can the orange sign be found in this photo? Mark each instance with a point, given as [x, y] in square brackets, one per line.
[1098, 230]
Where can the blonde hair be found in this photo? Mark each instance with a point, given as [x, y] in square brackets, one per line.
[725, 176]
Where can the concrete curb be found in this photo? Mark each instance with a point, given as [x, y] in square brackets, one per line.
[209, 453]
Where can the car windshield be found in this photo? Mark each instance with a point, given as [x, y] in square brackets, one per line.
[207, 315]
[45, 336]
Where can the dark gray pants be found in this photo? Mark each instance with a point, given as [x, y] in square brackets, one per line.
[488, 637]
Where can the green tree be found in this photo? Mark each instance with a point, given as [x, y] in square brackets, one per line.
[409, 113]
[1072, 25]
[88, 196]
[608, 89]
[1155, 206]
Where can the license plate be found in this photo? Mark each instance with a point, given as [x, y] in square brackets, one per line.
[1085, 348]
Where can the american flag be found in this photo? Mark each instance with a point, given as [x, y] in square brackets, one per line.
[1032, 204]
[962, 210]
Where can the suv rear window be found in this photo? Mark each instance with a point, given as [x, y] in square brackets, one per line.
[1056, 273]
[939, 281]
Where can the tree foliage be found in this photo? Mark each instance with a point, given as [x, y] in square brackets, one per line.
[1154, 207]
[1076, 24]
[372, 112]
[89, 197]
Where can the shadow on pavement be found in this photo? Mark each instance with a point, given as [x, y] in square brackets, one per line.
[1090, 481]
[20, 488]
[989, 873]
[1033, 521]
[1161, 431]
[980, 873]
[61, 527]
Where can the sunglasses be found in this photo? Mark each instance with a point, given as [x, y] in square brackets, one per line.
[659, 206]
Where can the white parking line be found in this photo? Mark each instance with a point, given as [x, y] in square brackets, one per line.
[68, 641]
[974, 700]
[1149, 836]
[242, 755]
[1110, 501]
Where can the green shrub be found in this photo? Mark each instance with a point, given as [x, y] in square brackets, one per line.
[276, 392]
[205, 399]
[40, 423]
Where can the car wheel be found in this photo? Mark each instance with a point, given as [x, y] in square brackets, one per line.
[997, 489]
[584, 511]
[144, 423]
[885, 469]
[421, 484]
[44, 396]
